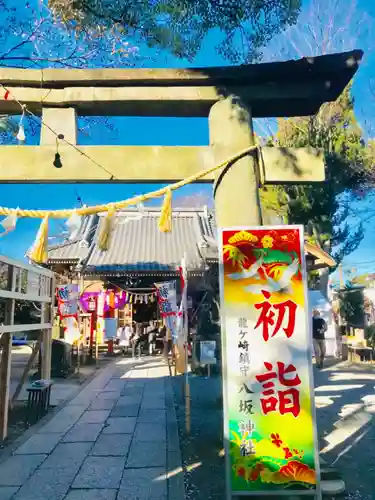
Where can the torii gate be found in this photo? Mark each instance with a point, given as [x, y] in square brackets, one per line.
[229, 96]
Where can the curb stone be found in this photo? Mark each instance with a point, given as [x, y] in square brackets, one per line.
[176, 487]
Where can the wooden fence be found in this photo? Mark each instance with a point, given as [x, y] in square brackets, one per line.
[21, 286]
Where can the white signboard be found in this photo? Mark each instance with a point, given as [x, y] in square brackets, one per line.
[207, 352]
[110, 328]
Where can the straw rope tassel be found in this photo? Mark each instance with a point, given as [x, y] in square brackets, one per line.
[40, 250]
[106, 229]
[165, 221]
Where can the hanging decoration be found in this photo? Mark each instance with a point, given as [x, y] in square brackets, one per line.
[74, 224]
[106, 229]
[165, 221]
[9, 224]
[116, 300]
[21, 136]
[39, 253]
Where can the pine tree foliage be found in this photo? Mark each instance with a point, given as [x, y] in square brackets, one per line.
[349, 160]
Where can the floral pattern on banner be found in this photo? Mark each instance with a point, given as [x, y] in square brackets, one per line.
[269, 416]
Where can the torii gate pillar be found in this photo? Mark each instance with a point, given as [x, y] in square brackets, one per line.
[236, 187]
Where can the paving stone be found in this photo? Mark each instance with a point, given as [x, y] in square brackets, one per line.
[91, 494]
[120, 425]
[84, 397]
[67, 455]
[154, 394]
[173, 440]
[112, 445]
[152, 416]
[125, 411]
[103, 404]
[135, 385]
[58, 425]
[176, 487]
[153, 404]
[132, 391]
[16, 470]
[115, 385]
[39, 443]
[83, 432]
[150, 432]
[64, 420]
[155, 384]
[100, 472]
[108, 395]
[143, 484]
[47, 484]
[6, 492]
[147, 455]
[174, 460]
[94, 417]
[129, 400]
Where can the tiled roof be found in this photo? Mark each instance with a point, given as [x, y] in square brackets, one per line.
[138, 245]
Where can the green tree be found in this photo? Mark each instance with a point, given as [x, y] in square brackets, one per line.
[325, 207]
[180, 26]
[7, 125]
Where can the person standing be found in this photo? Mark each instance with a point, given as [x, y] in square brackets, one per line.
[125, 336]
[138, 341]
[319, 327]
[151, 338]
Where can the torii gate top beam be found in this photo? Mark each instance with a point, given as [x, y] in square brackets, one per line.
[291, 88]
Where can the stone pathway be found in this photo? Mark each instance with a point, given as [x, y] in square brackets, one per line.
[116, 440]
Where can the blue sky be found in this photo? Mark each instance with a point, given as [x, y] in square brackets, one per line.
[151, 131]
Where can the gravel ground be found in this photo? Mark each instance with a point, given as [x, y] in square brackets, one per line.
[345, 399]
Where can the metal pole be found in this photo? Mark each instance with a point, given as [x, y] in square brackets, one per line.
[186, 338]
[80, 322]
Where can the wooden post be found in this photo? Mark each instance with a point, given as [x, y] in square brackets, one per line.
[5, 370]
[78, 356]
[46, 343]
[28, 366]
[6, 360]
[96, 349]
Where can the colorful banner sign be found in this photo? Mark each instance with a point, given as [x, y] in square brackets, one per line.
[270, 428]
[67, 300]
[167, 300]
